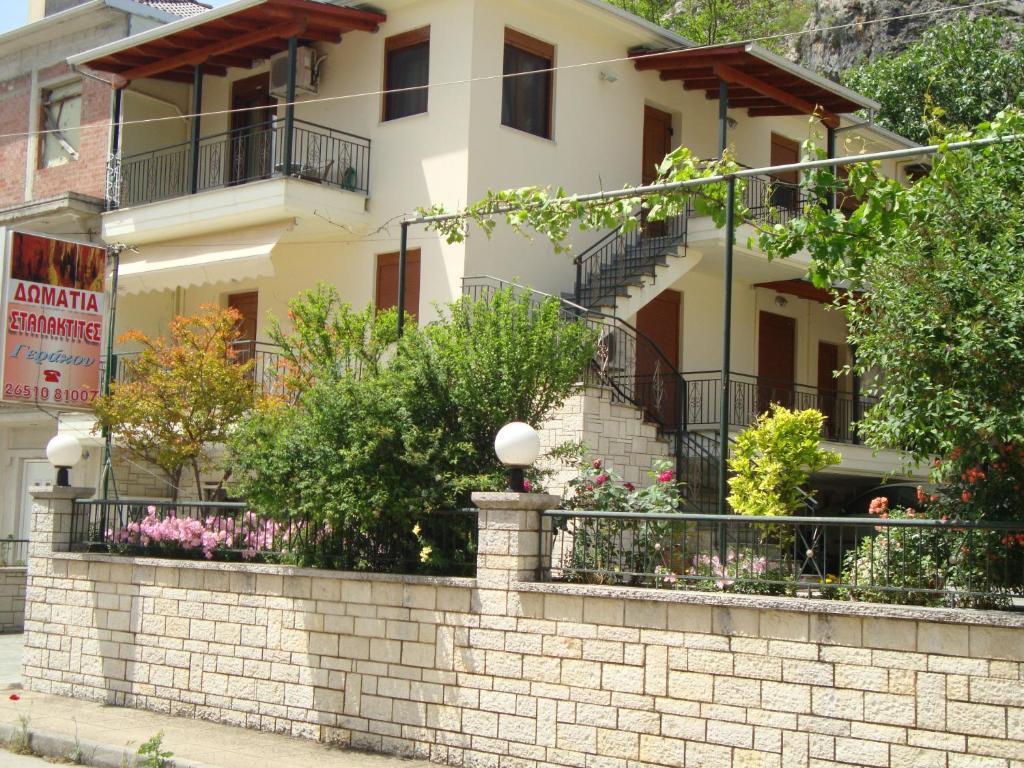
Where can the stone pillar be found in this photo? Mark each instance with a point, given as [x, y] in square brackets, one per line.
[51, 518]
[509, 546]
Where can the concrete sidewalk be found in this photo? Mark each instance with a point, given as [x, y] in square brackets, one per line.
[105, 735]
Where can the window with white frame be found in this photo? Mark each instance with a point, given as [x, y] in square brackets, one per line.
[61, 123]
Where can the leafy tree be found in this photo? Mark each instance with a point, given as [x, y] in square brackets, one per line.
[181, 394]
[710, 22]
[368, 452]
[962, 73]
[937, 306]
[774, 458]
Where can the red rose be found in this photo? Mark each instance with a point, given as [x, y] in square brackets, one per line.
[666, 476]
[629, 487]
[14, 697]
[597, 464]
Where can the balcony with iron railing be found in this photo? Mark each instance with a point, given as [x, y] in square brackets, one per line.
[269, 366]
[750, 396]
[312, 153]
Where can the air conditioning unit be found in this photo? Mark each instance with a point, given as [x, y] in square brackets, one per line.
[305, 73]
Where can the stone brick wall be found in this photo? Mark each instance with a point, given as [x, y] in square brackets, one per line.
[615, 432]
[12, 599]
[501, 671]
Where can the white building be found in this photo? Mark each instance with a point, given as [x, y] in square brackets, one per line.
[247, 208]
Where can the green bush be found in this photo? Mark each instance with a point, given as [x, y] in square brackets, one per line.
[377, 435]
[772, 459]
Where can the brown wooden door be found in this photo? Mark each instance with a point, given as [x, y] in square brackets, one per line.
[784, 152]
[828, 386]
[657, 144]
[387, 281]
[247, 305]
[252, 129]
[656, 384]
[776, 360]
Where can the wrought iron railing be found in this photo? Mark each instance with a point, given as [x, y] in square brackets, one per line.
[910, 561]
[627, 362]
[750, 396]
[13, 552]
[226, 530]
[269, 366]
[319, 154]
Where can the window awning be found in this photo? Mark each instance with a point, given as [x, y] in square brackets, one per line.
[236, 35]
[758, 80]
[202, 260]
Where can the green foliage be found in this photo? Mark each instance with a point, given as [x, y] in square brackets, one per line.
[554, 214]
[961, 73]
[373, 449]
[152, 754]
[937, 303]
[180, 394]
[709, 22]
[772, 459]
[599, 488]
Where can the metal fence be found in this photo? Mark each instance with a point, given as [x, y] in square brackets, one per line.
[13, 552]
[443, 542]
[750, 396]
[319, 154]
[907, 561]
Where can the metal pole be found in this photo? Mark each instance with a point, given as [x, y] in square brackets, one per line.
[723, 117]
[289, 109]
[197, 108]
[830, 152]
[855, 406]
[723, 426]
[403, 254]
[108, 376]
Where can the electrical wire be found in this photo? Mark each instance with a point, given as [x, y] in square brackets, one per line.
[488, 78]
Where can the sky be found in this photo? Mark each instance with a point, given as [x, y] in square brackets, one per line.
[13, 13]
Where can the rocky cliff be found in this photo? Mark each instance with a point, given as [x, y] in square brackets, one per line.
[830, 52]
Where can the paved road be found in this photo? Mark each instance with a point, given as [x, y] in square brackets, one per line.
[10, 760]
[10, 660]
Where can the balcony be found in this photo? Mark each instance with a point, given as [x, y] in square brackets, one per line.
[750, 396]
[318, 154]
[268, 366]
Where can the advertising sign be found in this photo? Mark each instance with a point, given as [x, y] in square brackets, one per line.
[54, 317]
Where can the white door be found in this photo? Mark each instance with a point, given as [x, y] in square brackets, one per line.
[34, 472]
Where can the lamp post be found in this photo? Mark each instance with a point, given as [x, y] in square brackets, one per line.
[517, 445]
[63, 452]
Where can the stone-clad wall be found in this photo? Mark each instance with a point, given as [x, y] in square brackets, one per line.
[500, 671]
[12, 598]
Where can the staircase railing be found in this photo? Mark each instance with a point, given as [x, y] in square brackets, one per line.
[659, 393]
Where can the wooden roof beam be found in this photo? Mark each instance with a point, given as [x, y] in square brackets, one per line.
[734, 76]
[348, 18]
[201, 55]
[664, 60]
[777, 111]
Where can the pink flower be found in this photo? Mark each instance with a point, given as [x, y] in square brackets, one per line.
[597, 464]
[666, 476]
[527, 486]
[879, 506]
[601, 479]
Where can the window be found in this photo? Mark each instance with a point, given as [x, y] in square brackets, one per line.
[406, 65]
[526, 99]
[62, 114]
[387, 281]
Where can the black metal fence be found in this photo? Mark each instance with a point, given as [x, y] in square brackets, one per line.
[907, 561]
[441, 542]
[319, 154]
[750, 396]
[13, 552]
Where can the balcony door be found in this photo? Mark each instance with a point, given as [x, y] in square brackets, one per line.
[247, 305]
[657, 144]
[785, 152]
[828, 387]
[252, 133]
[776, 360]
[655, 383]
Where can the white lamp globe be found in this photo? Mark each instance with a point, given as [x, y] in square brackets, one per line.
[517, 444]
[64, 451]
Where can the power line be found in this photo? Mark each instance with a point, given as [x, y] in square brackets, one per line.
[488, 78]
